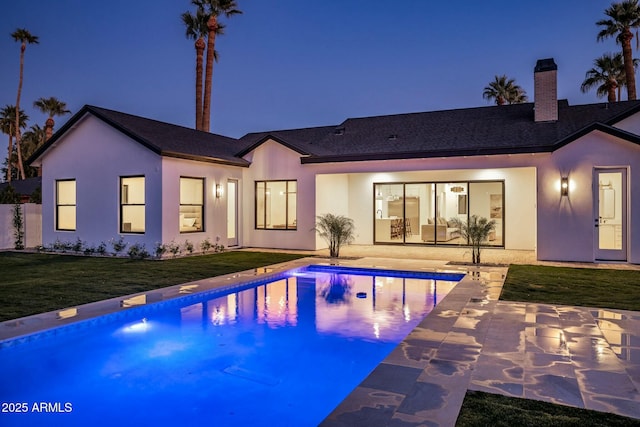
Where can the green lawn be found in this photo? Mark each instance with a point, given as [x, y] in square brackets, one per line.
[37, 283]
[484, 409]
[588, 287]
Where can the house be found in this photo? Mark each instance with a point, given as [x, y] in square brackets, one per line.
[24, 189]
[556, 179]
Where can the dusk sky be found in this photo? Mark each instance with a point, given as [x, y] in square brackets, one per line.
[295, 63]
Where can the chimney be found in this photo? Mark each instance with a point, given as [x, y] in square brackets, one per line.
[545, 91]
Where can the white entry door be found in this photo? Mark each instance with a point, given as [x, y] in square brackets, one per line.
[610, 211]
[232, 212]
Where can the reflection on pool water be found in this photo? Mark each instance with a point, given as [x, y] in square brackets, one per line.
[281, 353]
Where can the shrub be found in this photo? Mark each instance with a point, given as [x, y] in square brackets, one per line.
[8, 196]
[118, 245]
[174, 248]
[188, 246]
[336, 230]
[18, 226]
[160, 250]
[476, 231]
[205, 245]
[218, 247]
[102, 248]
[36, 196]
[61, 246]
[77, 246]
[138, 251]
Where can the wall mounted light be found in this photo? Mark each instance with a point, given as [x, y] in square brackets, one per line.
[564, 186]
[218, 191]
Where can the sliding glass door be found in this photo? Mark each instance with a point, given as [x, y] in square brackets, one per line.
[431, 212]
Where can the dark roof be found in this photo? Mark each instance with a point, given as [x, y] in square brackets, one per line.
[304, 141]
[163, 138]
[24, 187]
[507, 129]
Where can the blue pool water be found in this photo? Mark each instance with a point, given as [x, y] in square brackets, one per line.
[282, 353]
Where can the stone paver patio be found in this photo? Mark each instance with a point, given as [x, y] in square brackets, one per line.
[583, 357]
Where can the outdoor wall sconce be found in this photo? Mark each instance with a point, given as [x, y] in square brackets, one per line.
[218, 191]
[564, 186]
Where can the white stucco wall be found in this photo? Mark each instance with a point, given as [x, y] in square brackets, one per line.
[96, 155]
[215, 208]
[273, 161]
[566, 224]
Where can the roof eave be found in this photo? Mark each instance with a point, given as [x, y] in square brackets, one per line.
[240, 162]
[597, 126]
[273, 138]
[424, 154]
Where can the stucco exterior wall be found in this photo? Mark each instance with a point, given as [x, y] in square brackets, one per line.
[273, 161]
[566, 228]
[215, 209]
[96, 155]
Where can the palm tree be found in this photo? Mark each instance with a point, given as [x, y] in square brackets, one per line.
[7, 125]
[607, 76]
[212, 8]
[197, 30]
[336, 230]
[476, 231]
[23, 36]
[53, 107]
[31, 140]
[623, 17]
[504, 90]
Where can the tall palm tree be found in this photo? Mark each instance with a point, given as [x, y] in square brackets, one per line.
[213, 8]
[197, 30]
[53, 107]
[23, 36]
[623, 17]
[7, 125]
[606, 76]
[504, 91]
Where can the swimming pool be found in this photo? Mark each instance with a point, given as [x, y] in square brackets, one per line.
[280, 352]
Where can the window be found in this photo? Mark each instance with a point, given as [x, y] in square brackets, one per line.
[427, 212]
[191, 204]
[132, 209]
[276, 205]
[66, 205]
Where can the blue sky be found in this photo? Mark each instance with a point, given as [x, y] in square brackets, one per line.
[295, 63]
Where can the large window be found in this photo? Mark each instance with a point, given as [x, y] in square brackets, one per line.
[66, 205]
[276, 205]
[132, 208]
[427, 212]
[191, 204]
